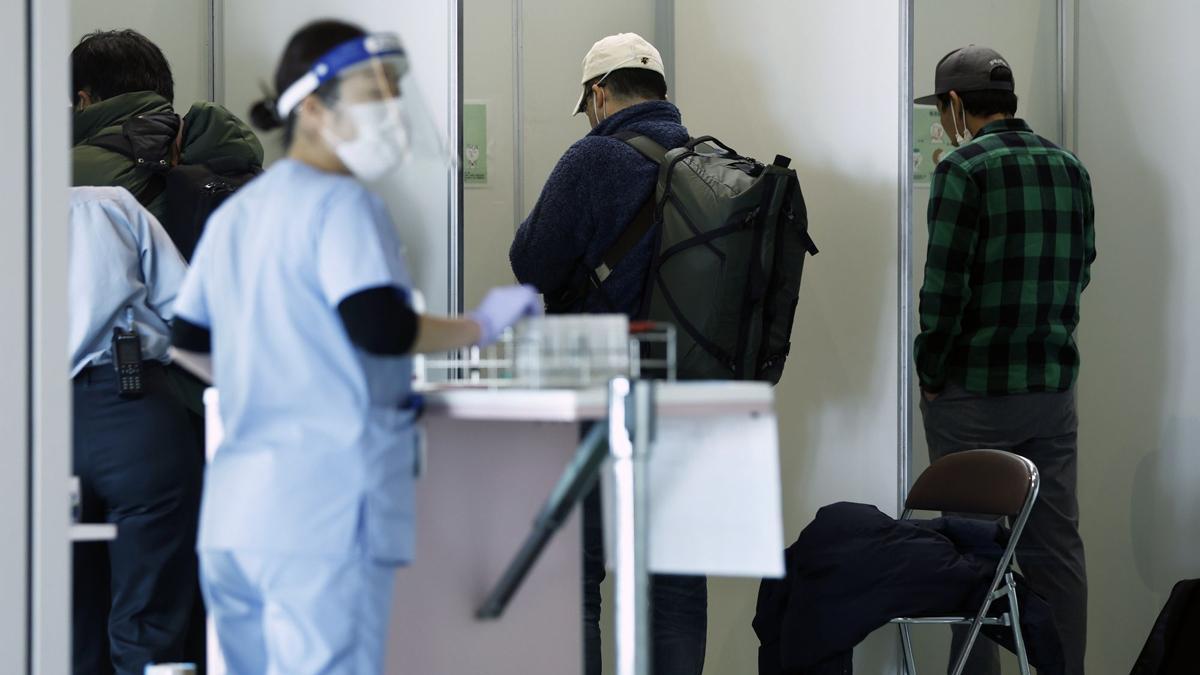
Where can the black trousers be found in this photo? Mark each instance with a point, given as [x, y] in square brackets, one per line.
[140, 468]
[678, 607]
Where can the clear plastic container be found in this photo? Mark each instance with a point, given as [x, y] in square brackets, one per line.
[571, 351]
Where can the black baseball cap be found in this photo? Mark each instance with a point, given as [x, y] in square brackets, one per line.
[967, 69]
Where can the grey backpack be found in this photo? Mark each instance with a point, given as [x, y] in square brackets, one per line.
[731, 235]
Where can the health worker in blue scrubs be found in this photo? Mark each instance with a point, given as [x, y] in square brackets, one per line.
[298, 302]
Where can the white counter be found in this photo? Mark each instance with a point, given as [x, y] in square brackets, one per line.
[675, 399]
[494, 457]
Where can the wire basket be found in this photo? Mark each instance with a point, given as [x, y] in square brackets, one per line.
[558, 352]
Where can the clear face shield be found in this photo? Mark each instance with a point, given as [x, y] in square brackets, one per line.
[379, 122]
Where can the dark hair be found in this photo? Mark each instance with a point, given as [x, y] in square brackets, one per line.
[632, 83]
[306, 46]
[988, 102]
[115, 62]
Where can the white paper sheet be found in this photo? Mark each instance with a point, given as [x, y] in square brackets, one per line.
[715, 503]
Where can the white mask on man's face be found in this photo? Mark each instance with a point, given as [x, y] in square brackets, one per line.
[596, 110]
[964, 136]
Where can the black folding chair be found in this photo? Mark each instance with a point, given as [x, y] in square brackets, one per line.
[988, 482]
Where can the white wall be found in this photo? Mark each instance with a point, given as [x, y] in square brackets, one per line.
[489, 218]
[780, 77]
[1139, 391]
[557, 36]
[179, 27]
[255, 34]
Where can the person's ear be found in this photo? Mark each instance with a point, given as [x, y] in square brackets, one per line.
[83, 99]
[310, 115]
[315, 108]
[599, 96]
[955, 103]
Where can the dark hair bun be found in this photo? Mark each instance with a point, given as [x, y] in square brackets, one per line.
[264, 116]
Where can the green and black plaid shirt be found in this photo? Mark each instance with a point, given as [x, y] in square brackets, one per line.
[1011, 242]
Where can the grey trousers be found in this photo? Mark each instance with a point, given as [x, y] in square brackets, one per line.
[1043, 428]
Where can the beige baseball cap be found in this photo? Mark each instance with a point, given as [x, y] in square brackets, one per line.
[624, 50]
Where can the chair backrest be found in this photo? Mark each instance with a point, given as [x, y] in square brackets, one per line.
[989, 482]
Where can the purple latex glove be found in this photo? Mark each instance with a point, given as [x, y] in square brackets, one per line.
[501, 308]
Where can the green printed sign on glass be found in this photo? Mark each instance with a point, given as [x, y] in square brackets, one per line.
[475, 169]
[931, 142]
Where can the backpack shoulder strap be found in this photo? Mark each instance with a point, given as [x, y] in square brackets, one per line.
[642, 223]
[643, 144]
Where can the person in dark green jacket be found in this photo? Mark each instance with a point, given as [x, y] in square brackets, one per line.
[122, 623]
[118, 75]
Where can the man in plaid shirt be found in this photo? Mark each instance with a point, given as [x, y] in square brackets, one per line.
[1011, 240]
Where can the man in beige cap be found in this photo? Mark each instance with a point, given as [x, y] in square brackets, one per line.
[593, 195]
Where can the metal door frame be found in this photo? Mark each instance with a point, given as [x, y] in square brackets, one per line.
[49, 409]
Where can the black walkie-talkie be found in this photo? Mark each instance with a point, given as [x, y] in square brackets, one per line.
[127, 359]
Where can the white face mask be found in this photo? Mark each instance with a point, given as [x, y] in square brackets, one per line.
[596, 111]
[964, 136]
[381, 139]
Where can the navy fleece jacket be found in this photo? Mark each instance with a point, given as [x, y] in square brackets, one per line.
[592, 195]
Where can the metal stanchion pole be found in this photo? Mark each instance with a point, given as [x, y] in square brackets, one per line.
[631, 428]
[643, 436]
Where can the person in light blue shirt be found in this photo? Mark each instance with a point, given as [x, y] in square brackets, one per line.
[300, 294]
[137, 459]
[120, 259]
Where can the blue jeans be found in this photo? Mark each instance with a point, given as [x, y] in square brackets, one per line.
[679, 607]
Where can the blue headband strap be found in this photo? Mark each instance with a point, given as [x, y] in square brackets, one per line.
[338, 59]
